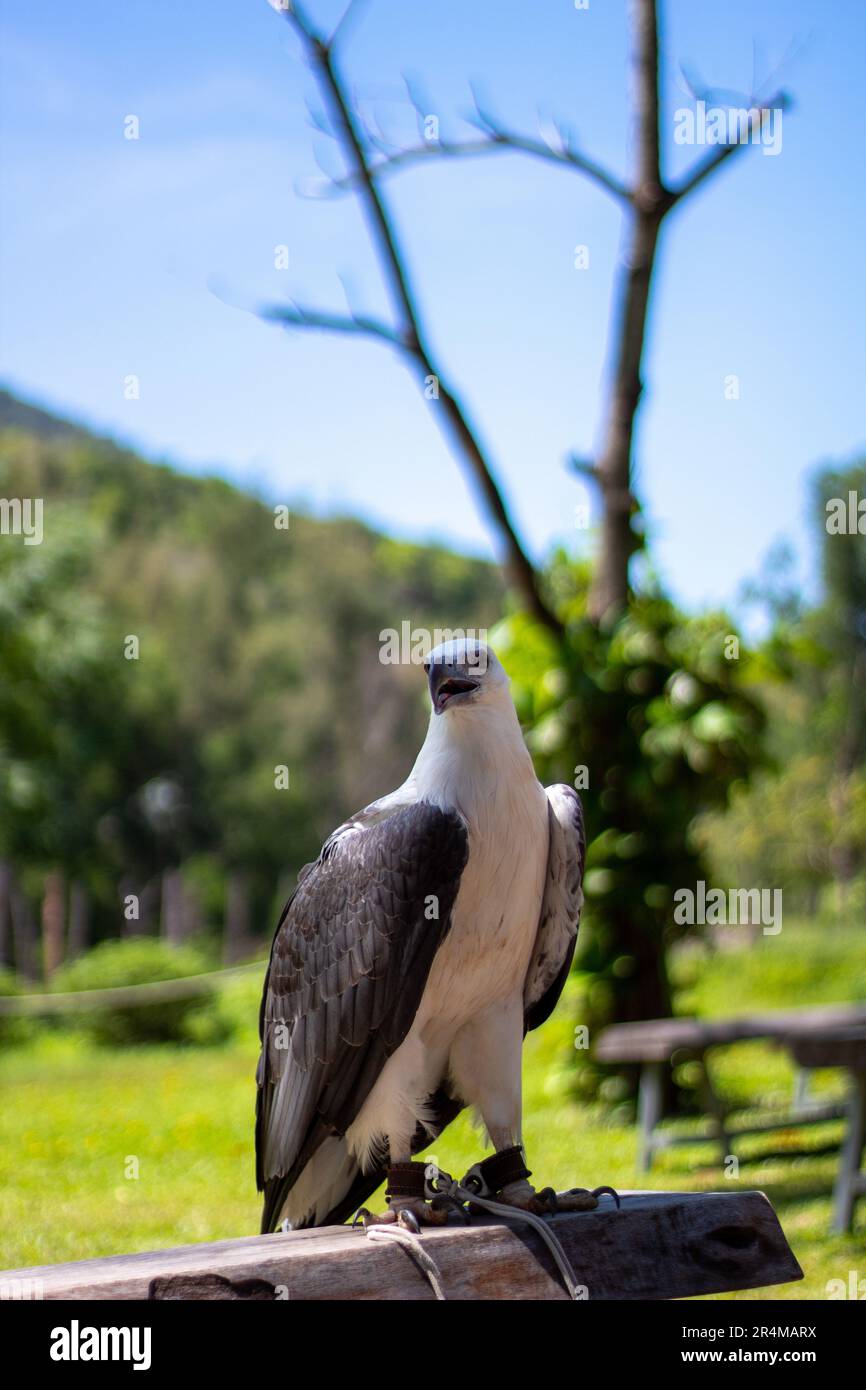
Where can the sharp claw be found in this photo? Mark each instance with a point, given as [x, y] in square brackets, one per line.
[369, 1218]
[608, 1192]
[408, 1219]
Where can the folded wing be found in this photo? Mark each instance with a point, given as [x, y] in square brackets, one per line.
[561, 906]
[348, 966]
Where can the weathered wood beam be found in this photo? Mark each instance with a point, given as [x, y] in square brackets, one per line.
[659, 1245]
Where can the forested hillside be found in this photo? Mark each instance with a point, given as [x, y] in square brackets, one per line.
[192, 696]
[164, 650]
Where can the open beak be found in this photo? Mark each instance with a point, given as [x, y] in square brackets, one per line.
[446, 682]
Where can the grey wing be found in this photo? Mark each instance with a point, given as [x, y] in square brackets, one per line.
[560, 907]
[348, 966]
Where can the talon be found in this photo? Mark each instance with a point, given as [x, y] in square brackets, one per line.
[586, 1199]
[369, 1218]
[386, 1219]
[546, 1201]
[608, 1192]
[541, 1202]
[576, 1199]
[414, 1212]
[445, 1205]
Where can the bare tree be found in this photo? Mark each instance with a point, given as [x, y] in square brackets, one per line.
[408, 334]
[647, 199]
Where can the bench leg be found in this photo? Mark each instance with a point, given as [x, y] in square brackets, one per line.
[848, 1178]
[715, 1110]
[802, 1084]
[649, 1111]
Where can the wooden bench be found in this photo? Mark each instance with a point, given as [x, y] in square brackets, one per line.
[658, 1245]
[842, 1047]
[658, 1044]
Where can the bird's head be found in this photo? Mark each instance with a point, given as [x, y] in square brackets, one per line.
[464, 673]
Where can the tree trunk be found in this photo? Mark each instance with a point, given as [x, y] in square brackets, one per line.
[6, 945]
[150, 906]
[24, 935]
[236, 931]
[172, 924]
[192, 917]
[610, 583]
[53, 922]
[79, 920]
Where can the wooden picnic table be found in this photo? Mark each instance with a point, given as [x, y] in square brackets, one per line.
[842, 1047]
[656, 1045]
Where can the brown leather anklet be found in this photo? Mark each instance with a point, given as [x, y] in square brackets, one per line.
[509, 1165]
[406, 1180]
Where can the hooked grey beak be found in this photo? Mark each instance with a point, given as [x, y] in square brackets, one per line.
[448, 684]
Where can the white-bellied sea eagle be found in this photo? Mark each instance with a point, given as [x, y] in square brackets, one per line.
[434, 930]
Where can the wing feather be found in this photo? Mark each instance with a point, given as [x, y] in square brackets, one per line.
[560, 908]
[349, 962]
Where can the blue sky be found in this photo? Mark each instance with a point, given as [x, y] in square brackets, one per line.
[123, 257]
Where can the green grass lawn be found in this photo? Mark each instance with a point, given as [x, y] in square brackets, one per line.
[78, 1121]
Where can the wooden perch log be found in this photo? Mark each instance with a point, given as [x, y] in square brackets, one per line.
[660, 1245]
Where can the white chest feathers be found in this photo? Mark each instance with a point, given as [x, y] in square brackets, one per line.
[482, 768]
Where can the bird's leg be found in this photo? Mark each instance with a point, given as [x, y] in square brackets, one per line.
[517, 1191]
[407, 1204]
[510, 1164]
[485, 1066]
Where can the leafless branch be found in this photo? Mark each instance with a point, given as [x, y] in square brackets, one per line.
[648, 200]
[318, 122]
[492, 144]
[493, 139]
[300, 316]
[349, 16]
[410, 335]
[721, 153]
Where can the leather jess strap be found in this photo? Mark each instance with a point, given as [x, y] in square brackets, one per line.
[496, 1172]
[507, 1166]
[406, 1180]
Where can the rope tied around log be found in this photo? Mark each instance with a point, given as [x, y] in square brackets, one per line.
[441, 1185]
[411, 1241]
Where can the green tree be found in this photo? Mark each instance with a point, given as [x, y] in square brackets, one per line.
[651, 719]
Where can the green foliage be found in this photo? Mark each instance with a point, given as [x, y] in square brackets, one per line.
[663, 722]
[801, 824]
[74, 734]
[258, 649]
[12, 1029]
[142, 961]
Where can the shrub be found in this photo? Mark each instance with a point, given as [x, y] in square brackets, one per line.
[143, 961]
[12, 1029]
